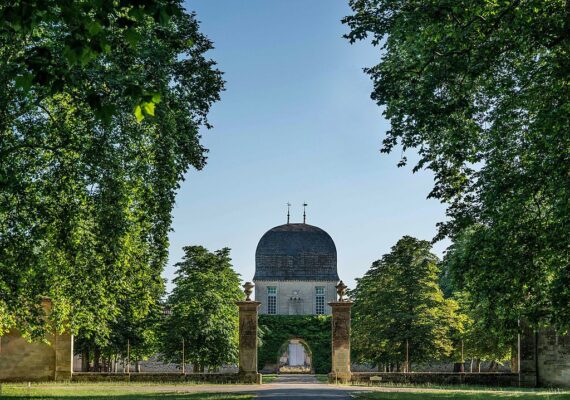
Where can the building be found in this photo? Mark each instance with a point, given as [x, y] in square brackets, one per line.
[295, 270]
[295, 275]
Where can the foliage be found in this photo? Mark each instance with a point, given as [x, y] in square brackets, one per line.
[203, 310]
[86, 200]
[490, 332]
[398, 304]
[480, 89]
[86, 33]
[315, 330]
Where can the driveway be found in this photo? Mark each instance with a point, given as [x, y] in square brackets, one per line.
[300, 387]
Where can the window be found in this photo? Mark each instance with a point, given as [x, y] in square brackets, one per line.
[319, 300]
[271, 300]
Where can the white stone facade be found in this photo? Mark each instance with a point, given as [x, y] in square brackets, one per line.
[295, 297]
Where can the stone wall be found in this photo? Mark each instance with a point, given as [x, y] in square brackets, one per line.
[155, 377]
[21, 360]
[436, 378]
[545, 358]
[302, 291]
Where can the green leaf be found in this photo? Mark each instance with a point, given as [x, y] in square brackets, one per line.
[148, 108]
[138, 113]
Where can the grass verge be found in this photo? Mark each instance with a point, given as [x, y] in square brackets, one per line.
[103, 391]
[466, 395]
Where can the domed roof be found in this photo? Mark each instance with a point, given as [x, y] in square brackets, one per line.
[296, 252]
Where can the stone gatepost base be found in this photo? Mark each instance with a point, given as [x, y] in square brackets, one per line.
[250, 378]
[340, 371]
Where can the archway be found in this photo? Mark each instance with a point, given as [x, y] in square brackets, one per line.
[295, 356]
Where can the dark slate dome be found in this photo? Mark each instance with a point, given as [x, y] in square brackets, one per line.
[296, 252]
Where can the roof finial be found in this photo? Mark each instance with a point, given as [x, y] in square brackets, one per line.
[305, 213]
[288, 213]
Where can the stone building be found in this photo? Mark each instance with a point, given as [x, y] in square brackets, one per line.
[295, 271]
[295, 274]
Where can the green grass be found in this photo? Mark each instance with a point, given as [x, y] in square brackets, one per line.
[269, 378]
[322, 378]
[101, 391]
[467, 395]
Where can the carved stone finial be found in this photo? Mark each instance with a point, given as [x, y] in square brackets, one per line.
[248, 290]
[341, 290]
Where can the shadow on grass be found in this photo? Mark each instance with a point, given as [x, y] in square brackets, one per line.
[464, 396]
[22, 394]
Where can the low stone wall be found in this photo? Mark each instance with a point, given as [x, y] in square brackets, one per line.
[497, 379]
[155, 377]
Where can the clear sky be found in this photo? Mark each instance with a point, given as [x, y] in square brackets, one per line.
[296, 124]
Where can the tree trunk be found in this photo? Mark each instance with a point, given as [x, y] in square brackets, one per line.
[138, 366]
[85, 360]
[477, 365]
[96, 359]
[493, 366]
[515, 359]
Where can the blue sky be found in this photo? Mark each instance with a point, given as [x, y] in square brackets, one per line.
[296, 124]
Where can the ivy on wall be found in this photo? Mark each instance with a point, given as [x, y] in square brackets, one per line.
[315, 330]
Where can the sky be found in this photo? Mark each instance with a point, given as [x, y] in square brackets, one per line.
[296, 124]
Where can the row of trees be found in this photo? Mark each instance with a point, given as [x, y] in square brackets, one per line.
[197, 323]
[480, 89]
[99, 120]
[405, 311]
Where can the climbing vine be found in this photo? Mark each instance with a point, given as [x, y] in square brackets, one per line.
[315, 330]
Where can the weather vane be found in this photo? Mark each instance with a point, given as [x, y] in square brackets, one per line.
[305, 213]
[288, 213]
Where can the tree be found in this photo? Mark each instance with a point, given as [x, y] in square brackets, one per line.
[86, 198]
[481, 90]
[203, 310]
[399, 308]
[86, 32]
[469, 264]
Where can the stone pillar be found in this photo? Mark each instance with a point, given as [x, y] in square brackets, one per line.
[528, 356]
[63, 346]
[340, 337]
[248, 338]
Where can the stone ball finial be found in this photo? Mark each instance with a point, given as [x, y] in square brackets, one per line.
[341, 290]
[248, 290]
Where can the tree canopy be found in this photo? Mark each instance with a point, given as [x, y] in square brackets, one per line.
[480, 89]
[399, 307]
[203, 310]
[86, 195]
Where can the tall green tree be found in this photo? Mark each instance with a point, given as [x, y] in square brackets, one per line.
[480, 89]
[203, 310]
[470, 264]
[399, 309]
[86, 196]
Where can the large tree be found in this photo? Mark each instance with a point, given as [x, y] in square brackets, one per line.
[203, 311]
[399, 309]
[480, 89]
[86, 196]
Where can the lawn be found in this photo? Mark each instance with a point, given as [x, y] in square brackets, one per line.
[466, 395]
[102, 391]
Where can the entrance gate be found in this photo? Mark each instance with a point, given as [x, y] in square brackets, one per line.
[248, 324]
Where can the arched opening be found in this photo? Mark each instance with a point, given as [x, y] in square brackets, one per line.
[295, 357]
